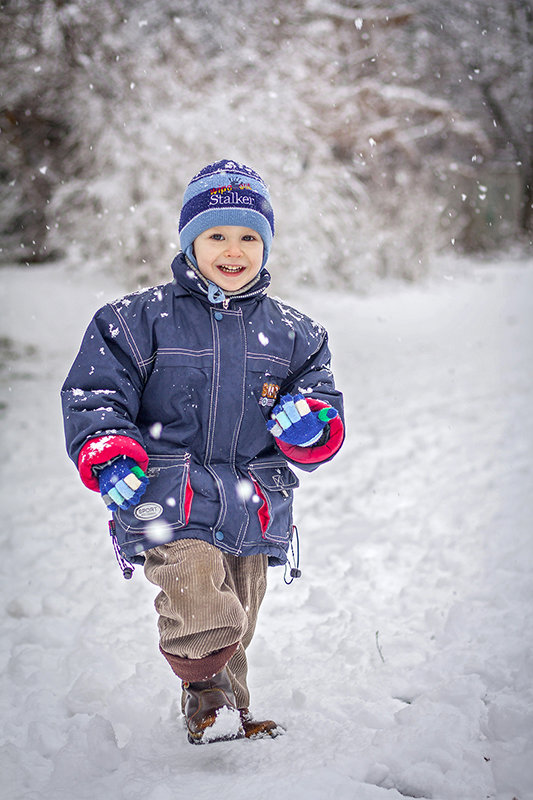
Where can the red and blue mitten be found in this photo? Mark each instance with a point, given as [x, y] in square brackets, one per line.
[293, 422]
[122, 482]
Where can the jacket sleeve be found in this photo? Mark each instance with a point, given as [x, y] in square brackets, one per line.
[102, 392]
[312, 377]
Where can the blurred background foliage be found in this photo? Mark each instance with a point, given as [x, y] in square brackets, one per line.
[387, 131]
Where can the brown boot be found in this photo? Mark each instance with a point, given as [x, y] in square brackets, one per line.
[259, 729]
[210, 710]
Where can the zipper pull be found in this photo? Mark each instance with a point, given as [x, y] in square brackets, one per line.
[214, 293]
[225, 303]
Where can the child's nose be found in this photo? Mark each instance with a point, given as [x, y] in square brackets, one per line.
[234, 249]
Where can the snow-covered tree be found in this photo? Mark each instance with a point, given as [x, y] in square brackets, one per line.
[479, 55]
[109, 108]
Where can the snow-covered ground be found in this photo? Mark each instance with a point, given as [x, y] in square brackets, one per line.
[401, 662]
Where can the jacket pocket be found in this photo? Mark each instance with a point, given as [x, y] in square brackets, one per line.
[167, 500]
[274, 482]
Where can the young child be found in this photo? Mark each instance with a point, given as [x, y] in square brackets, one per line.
[183, 408]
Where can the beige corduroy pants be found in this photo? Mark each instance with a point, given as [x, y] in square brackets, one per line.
[207, 605]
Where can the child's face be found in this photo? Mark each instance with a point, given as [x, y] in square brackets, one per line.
[229, 255]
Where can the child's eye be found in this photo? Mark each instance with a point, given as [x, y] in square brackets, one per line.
[249, 237]
[217, 236]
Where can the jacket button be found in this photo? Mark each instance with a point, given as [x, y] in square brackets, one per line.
[218, 315]
[219, 535]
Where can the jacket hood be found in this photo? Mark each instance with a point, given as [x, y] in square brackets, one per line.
[188, 278]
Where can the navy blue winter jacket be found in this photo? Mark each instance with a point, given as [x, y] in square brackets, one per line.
[168, 374]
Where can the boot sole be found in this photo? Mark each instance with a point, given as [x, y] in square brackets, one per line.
[200, 739]
[268, 734]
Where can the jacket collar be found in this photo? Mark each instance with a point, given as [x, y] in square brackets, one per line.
[187, 280]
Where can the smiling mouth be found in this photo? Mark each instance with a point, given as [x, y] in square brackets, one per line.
[230, 270]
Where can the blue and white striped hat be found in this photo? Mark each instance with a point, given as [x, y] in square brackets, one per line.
[226, 193]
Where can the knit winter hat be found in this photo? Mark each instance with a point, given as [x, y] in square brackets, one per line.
[226, 193]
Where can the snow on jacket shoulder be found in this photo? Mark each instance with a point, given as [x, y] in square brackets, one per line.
[191, 384]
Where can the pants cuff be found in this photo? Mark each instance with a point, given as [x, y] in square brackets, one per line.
[200, 669]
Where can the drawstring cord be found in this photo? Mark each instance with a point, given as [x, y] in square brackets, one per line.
[127, 568]
[295, 571]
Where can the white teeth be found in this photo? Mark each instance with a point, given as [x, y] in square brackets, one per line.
[229, 269]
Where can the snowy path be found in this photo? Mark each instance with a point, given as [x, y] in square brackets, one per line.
[420, 530]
